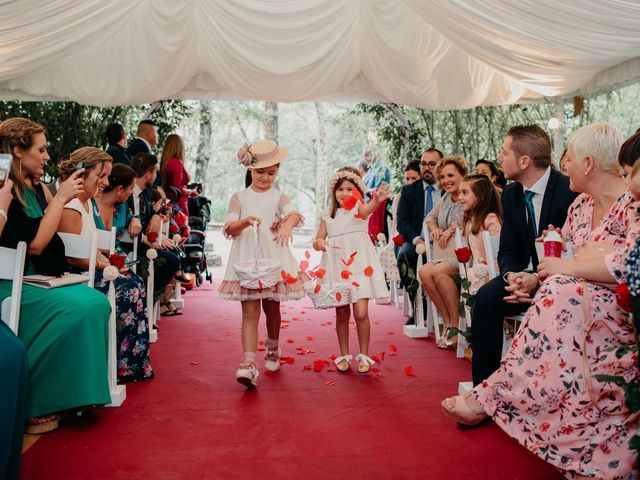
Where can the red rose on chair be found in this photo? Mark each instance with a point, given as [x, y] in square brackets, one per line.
[463, 254]
[624, 297]
[117, 260]
[398, 241]
[152, 236]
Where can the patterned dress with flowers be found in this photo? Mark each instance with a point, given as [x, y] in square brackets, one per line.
[544, 394]
[272, 207]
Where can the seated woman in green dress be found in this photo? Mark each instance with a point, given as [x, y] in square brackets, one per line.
[14, 374]
[65, 330]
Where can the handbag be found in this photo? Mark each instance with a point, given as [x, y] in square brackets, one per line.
[258, 273]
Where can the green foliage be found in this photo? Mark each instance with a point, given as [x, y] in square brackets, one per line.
[70, 125]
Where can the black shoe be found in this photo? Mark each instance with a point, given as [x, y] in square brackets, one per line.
[182, 279]
[410, 321]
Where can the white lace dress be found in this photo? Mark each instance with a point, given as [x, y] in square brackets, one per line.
[351, 257]
[271, 207]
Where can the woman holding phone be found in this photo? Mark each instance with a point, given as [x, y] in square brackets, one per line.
[82, 216]
[66, 342]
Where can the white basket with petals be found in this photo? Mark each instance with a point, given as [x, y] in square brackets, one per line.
[258, 273]
[330, 294]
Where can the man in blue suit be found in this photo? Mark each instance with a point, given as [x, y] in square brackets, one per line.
[538, 196]
[416, 200]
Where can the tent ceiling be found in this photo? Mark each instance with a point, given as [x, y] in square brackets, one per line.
[428, 53]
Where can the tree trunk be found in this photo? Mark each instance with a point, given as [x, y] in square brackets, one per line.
[204, 144]
[271, 121]
[321, 163]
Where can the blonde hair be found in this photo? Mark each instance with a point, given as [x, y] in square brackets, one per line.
[18, 133]
[600, 141]
[173, 148]
[90, 157]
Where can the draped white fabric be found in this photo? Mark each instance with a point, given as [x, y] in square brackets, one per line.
[428, 53]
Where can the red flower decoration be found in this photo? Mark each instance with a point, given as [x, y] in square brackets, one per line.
[398, 241]
[463, 254]
[152, 236]
[624, 297]
[117, 260]
[368, 271]
[173, 228]
[320, 272]
[346, 274]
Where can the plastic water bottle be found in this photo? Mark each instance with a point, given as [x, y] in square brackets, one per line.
[553, 244]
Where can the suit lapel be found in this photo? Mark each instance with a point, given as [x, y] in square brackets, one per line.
[547, 201]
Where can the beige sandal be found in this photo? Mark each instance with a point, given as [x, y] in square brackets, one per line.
[40, 425]
[343, 363]
[460, 410]
[364, 363]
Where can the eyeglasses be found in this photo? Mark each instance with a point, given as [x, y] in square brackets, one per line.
[428, 164]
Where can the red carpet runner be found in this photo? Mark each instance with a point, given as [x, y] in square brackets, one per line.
[193, 421]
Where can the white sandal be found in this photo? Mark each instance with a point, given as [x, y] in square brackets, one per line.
[272, 360]
[364, 363]
[344, 358]
[247, 374]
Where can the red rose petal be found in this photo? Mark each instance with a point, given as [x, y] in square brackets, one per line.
[349, 202]
[195, 363]
[346, 274]
[357, 215]
[320, 272]
[304, 265]
[331, 383]
[338, 296]
[317, 289]
[393, 348]
[318, 365]
[355, 284]
[309, 338]
[408, 371]
[260, 285]
[368, 271]
[290, 340]
[307, 255]
[375, 358]
[283, 274]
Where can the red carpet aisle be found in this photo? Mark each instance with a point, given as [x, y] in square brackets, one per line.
[195, 422]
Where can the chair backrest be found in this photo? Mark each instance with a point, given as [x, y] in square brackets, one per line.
[11, 268]
[107, 240]
[83, 247]
[491, 245]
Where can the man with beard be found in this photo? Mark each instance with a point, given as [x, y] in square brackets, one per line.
[416, 201]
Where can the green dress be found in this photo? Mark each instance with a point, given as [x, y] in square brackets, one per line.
[65, 332]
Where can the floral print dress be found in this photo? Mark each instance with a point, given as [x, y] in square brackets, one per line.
[544, 394]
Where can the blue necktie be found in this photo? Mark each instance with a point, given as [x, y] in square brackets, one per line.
[531, 214]
[428, 201]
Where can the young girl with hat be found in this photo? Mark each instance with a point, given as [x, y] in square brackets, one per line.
[349, 257]
[269, 210]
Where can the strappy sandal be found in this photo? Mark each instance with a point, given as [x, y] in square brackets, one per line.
[461, 411]
[445, 342]
[40, 425]
[169, 310]
[247, 374]
[364, 363]
[343, 363]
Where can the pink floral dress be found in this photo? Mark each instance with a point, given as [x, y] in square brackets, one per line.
[544, 394]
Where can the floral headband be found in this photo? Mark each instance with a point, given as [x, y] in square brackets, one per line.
[346, 174]
[245, 157]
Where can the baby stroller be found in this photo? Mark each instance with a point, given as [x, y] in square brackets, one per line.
[195, 260]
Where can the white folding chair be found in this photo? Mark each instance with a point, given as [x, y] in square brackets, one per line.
[133, 256]
[12, 268]
[86, 248]
[465, 319]
[153, 308]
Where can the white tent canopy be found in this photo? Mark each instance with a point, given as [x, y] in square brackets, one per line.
[438, 54]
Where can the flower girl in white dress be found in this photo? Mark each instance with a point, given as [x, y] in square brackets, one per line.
[349, 257]
[271, 211]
